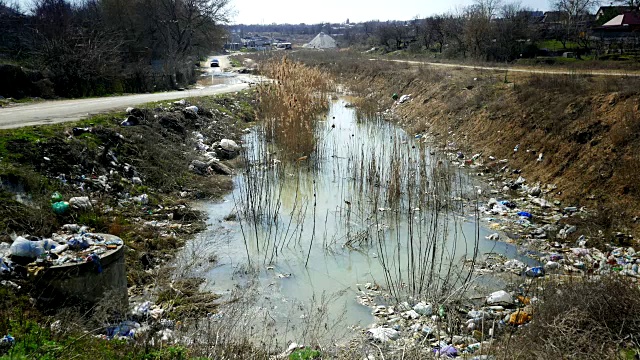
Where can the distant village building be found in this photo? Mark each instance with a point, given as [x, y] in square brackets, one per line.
[256, 42]
[606, 13]
[627, 22]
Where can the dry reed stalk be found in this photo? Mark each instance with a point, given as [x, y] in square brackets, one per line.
[290, 105]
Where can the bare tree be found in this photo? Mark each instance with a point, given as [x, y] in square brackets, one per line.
[515, 32]
[574, 20]
[368, 28]
[391, 34]
[454, 27]
[487, 9]
[435, 25]
[479, 30]
[75, 46]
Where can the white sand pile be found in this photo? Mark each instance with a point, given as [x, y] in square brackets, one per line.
[322, 41]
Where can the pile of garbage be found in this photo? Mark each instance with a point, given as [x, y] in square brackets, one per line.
[145, 319]
[539, 229]
[407, 325]
[542, 228]
[74, 244]
[6, 342]
[211, 155]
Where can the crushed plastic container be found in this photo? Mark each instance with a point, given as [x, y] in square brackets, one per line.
[519, 317]
[78, 243]
[500, 298]
[124, 329]
[446, 351]
[193, 109]
[4, 268]
[383, 334]
[423, 309]
[229, 145]
[80, 203]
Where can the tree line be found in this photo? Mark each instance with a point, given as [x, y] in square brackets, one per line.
[489, 30]
[97, 47]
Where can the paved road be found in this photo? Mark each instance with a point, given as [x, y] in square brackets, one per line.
[51, 112]
[521, 70]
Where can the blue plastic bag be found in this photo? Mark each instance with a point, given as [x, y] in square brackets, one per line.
[78, 243]
[446, 351]
[537, 271]
[525, 214]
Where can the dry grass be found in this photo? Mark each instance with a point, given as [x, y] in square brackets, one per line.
[290, 105]
[583, 318]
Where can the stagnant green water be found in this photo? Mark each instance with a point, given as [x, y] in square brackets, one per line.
[306, 233]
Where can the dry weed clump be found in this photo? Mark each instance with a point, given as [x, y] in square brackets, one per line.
[290, 105]
[584, 318]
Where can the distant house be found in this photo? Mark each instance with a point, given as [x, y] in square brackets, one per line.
[535, 17]
[233, 42]
[624, 23]
[560, 17]
[256, 42]
[283, 45]
[606, 13]
[553, 17]
[623, 30]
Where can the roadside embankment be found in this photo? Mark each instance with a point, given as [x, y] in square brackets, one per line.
[131, 174]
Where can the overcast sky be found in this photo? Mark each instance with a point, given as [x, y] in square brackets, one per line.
[338, 11]
[310, 12]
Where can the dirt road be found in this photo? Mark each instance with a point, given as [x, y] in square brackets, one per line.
[521, 70]
[50, 112]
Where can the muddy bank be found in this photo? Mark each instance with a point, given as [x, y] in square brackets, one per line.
[131, 174]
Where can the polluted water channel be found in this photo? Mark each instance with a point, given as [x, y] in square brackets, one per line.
[297, 240]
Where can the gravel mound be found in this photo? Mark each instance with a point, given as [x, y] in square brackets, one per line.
[322, 41]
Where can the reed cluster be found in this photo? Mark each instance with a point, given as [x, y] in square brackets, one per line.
[290, 105]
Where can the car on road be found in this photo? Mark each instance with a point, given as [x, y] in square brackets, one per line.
[215, 63]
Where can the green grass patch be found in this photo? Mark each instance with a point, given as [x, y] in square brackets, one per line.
[235, 62]
[34, 341]
[32, 135]
[305, 354]
[555, 45]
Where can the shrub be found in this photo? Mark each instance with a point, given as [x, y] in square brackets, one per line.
[583, 318]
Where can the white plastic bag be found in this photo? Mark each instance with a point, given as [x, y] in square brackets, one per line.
[500, 298]
[229, 145]
[25, 248]
[80, 203]
[383, 334]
